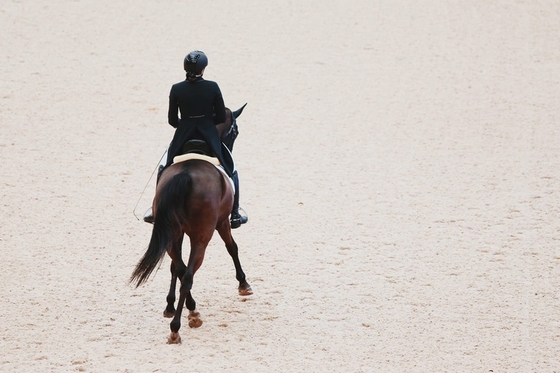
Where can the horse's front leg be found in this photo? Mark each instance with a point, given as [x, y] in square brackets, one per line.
[170, 309]
[225, 233]
[244, 287]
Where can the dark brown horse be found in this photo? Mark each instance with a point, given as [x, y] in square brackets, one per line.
[192, 198]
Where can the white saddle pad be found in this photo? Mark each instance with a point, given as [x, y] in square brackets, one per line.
[202, 157]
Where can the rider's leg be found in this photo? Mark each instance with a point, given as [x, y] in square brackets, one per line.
[223, 154]
[236, 218]
[235, 208]
[149, 218]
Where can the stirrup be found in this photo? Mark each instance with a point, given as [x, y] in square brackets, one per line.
[149, 216]
[237, 219]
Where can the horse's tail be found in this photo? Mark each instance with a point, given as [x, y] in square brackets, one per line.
[170, 215]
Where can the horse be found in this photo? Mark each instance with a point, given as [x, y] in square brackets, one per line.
[193, 198]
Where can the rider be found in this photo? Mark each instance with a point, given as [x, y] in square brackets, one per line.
[202, 107]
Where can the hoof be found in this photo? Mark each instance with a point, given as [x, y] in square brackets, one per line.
[174, 338]
[194, 320]
[195, 323]
[168, 314]
[245, 290]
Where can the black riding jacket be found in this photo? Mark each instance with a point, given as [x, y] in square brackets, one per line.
[202, 107]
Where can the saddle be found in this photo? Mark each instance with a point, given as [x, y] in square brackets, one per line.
[196, 146]
[196, 149]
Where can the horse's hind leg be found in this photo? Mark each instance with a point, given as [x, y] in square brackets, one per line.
[170, 309]
[194, 317]
[198, 250]
[184, 296]
[187, 276]
[178, 270]
[225, 233]
[175, 324]
[175, 255]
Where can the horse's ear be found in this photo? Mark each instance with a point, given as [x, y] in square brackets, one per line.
[238, 112]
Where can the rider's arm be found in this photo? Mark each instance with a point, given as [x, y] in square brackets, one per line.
[172, 117]
[219, 107]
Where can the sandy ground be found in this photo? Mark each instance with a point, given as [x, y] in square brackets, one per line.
[399, 162]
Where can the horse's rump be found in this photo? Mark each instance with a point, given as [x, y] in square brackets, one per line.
[211, 189]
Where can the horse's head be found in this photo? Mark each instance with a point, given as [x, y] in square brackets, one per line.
[229, 130]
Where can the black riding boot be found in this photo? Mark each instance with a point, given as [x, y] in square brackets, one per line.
[150, 217]
[236, 218]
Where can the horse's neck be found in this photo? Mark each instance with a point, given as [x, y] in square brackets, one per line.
[223, 128]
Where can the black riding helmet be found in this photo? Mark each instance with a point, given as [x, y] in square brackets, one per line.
[195, 62]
